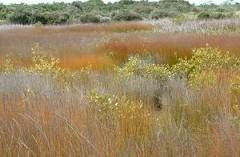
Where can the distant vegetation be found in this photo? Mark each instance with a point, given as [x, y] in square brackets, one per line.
[95, 11]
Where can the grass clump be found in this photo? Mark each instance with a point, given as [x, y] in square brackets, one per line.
[133, 119]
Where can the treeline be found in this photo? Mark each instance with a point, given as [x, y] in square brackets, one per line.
[96, 11]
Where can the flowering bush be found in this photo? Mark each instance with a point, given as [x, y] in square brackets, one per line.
[44, 64]
[204, 63]
[133, 119]
[8, 65]
[143, 68]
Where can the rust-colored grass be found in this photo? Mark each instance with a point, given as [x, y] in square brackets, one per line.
[41, 116]
[96, 61]
[117, 40]
[166, 47]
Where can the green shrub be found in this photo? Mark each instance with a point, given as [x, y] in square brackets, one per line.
[218, 15]
[158, 14]
[20, 16]
[214, 15]
[203, 15]
[50, 18]
[126, 16]
[90, 18]
[25, 16]
[143, 10]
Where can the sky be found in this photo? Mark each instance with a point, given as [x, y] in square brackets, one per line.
[50, 1]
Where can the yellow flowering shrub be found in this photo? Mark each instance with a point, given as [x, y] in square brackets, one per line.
[134, 120]
[48, 65]
[44, 64]
[8, 65]
[138, 67]
[203, 64]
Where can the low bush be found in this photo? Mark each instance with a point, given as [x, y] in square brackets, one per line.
[143, 10]
[203, 15]
[158, 14]
[20, 16]
[203, 65]
[89, 18]
[214, 15]
[144, 68]
[132, 117]
[126, 16]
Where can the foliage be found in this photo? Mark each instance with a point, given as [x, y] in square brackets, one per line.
[8, 65]
[62, 13]
[90, 18]
[144, 68]
[126, 16]
[134, 120]
[158, 14]
[20, 16]
[203, 63]
[203, 15]
[176, 5]
[46, 65]
[200, 69]
[143, 10]
[214, 15]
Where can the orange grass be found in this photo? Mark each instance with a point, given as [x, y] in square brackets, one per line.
[167, 47]
[96, 61]
[92, 42]
[39, 118]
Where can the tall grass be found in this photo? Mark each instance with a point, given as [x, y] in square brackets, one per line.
[49, 122]
[150, 104]
[198, 26]
[92, 42]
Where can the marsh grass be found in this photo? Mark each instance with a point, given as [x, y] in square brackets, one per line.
[160, 98]
[80, 45]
